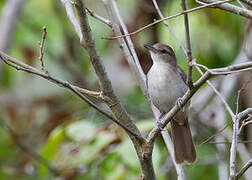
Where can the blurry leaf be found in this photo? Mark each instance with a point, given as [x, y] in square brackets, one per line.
[128, 154]
[80, 130]
[146, 124]
[90, 152]
[50, 149]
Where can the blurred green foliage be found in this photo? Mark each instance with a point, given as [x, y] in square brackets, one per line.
[71, 136]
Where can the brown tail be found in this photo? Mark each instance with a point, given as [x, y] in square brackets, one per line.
[183, 144]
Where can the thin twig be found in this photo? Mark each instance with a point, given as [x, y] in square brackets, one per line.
[41, 53]
[244, 169]
[244, 124]
[232, 8]
[224, 142]
[137, 69]
[218, 93]
[214, 135]
[169, 27]
[98, 17]
[188, 46]
[166, 18]
[77, 90]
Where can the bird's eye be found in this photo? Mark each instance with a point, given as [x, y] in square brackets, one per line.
[163, 51]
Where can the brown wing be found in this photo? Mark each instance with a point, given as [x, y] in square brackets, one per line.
[182, 74]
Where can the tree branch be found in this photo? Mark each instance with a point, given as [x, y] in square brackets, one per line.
[236, 122]
[232, 8]
[169, 27]
[75, 89]
[188, 46]
[244, 169]
[87, 41]
[169, 17]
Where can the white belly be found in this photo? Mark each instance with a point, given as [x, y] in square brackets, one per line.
[165, 86]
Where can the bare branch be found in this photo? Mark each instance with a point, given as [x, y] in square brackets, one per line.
[214, 135]
[232, 8]
[244, 169]
[70, 13]
[218, 94]
[137, 69]
[100, 18]
[236, 121]
[88, 42]
[169, 17]
[188, 46]
[169, 27]
[41, 53]
[75, 89]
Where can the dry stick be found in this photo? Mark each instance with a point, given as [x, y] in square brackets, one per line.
[224, 142]
[98, 17]
[137, 66]
[169, 17]
[218, 94]
[188, 46]
[249, 2]
[214, 135]
[244, 169]
[232, 8]
[233, 149]
[77, 90]
[28, 149]
[169, 27]
[244, 124]
[236, 121]
[41, 53]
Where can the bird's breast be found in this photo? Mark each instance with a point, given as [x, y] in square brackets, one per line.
[165, 86]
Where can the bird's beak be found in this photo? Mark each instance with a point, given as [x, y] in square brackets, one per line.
[150, 48]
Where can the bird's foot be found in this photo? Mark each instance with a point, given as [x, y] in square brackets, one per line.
[179, 102]
[159, 123]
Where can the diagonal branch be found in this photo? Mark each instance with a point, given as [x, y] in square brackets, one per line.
[173, 16]
[168, 26]
[128, 47]
[232, 8]
[244, 169]
[75, 89]
[87, 41]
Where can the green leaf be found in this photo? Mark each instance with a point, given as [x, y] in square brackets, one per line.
[50, 149]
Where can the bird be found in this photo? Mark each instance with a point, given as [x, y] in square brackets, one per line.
[166, 83]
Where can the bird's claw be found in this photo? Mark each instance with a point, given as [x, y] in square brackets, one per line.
[179, 102]
[159, 123]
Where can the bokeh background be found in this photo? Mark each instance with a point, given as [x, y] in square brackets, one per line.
[37, 116]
